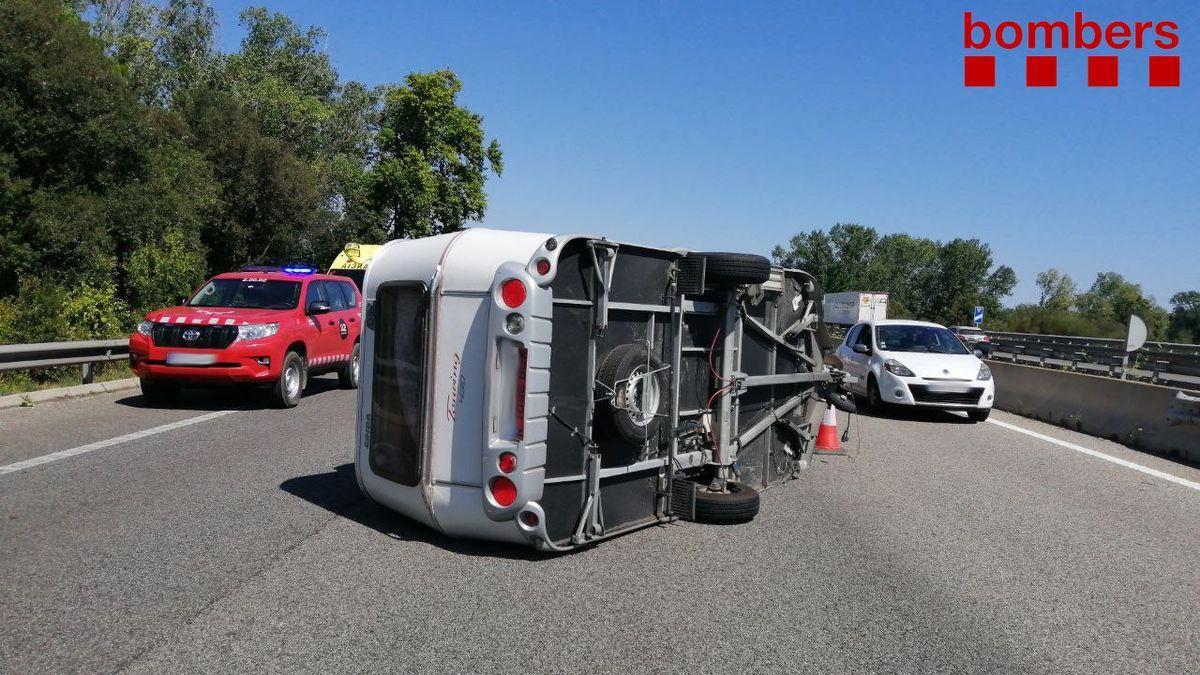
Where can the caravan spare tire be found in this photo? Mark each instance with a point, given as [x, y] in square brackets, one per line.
[726, 270]
[633, 386]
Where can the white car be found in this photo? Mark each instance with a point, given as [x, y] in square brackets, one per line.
[916, 363]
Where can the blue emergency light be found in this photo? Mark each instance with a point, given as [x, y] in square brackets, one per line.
[299, 270]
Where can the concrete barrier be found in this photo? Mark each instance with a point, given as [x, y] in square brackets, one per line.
[1140, 415]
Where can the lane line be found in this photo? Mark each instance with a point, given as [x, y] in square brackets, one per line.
[1100, 455]
[63, 454]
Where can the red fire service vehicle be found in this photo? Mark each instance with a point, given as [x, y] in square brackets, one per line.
[271, 326]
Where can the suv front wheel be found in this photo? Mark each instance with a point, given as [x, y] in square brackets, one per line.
[290, 384]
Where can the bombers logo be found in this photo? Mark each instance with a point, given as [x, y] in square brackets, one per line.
[1080, 33]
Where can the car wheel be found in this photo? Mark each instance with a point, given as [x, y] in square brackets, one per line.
[874, 398]
[738, 505]
[348, 374]
[979, 415]
[290, 384]
[158, 391]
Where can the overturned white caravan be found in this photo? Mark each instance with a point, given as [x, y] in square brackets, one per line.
[559, 390]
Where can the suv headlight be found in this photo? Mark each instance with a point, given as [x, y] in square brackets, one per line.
[257, 331]
[896, 368]
[144, 327]
[985, 373]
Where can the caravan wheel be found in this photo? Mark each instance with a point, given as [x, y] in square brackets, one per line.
[738, 505]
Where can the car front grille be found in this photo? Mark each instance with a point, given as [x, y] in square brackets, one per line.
[210, 337]
[921, 394]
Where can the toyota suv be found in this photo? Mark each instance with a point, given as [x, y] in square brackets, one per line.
[267, 326]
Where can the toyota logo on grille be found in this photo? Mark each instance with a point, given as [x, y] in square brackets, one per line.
[191, 334]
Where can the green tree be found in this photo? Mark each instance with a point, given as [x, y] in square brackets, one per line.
[1112, 298]
[162, 49]
[926, 279]
[1185, 316]
[269, 200]
[81, 158]
[1057, 290]
[433, 158]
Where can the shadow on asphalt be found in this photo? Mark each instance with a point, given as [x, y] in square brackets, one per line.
[206, 398]
[927, 415]
[338, 492]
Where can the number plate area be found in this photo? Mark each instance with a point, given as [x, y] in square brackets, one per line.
[186, 359]
[943, 388]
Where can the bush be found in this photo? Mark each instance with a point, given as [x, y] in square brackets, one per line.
[46, 312]
[1049, 321]
[162, 271]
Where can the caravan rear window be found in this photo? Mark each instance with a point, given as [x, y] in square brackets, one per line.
[398, 382]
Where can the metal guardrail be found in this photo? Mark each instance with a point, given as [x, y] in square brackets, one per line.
[1155, 361]
[83, 353]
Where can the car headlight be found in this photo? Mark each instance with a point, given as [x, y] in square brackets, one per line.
[257, 331]
[144, 327]
[896, 368]
[985, 373]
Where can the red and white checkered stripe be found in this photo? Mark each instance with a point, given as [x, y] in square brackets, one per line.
[325, 360]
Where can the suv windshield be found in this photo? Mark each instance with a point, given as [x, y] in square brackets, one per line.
[248, 293]
[909, 338]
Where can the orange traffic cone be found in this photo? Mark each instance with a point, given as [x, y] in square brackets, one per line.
[827, 435]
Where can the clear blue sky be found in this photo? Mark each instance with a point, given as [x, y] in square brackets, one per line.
[731, 126]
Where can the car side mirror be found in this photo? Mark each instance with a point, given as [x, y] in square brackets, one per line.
[181, 300]
[318, 307]
[862, 349]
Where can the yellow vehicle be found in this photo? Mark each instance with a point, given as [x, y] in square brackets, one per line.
[352, 261]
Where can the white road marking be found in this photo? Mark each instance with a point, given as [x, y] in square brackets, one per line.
[63, 454]
[1100, 455]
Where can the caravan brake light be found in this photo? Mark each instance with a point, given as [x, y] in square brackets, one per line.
[512, 293]
[507, 462]
[503, 491]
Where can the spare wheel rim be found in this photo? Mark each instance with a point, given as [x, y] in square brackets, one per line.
[642, 396]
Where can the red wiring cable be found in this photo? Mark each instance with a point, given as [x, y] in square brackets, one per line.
[712, 348]
[722, 390]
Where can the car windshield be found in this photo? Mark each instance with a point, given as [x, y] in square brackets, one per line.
[912, 338]
[969, 331]
[248, 293]
[357, 276]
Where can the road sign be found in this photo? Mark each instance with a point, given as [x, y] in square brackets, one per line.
[1137, 334]
[978, 315]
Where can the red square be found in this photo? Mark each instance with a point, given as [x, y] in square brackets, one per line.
[1164, 71]
[1041, 71]
[1102, 71]
[979, 71]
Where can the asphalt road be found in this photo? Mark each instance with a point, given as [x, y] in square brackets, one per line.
[240, 542]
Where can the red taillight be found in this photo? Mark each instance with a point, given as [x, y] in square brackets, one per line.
[507, 462]
[503, 491]
[542, 266]
[529, 518]
[512, 293]
[522, 361]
